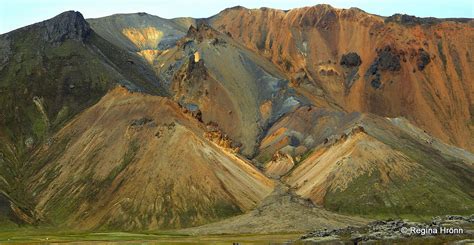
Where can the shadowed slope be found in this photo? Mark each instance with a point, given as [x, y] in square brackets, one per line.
[50, 71]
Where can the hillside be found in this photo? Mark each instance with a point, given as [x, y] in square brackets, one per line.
[143, 164]
[395, 66]
[359, 174]
[49, 72]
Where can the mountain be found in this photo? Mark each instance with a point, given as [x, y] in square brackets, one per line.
[401, 65]
[141, 32]
[50, 71]
[252, 120]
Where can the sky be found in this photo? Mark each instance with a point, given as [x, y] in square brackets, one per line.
[17, 13]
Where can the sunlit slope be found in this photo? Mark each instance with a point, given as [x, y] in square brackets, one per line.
[395, 66]
[136, 161]
[141, 31]
[236, 90]
[383, 172]
[364, 164]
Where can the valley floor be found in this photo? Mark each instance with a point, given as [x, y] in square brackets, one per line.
[51, 237]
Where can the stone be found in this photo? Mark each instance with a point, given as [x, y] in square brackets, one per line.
[140, 122]
[409, 20]
[376, 82]
[423, 59]
[351, 59]
[388, 229]
[388, 61]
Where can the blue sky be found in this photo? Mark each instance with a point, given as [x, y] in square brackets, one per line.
[18, 13]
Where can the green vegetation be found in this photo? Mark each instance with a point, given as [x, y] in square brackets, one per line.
[306, 155]
[43, 86]
[441, 53]
[128, 157]
[424, 195]
[51, 235]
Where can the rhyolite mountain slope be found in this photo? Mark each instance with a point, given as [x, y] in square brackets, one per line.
[135, 122]
[196, 72]
[417, 68]
[141, 32]
[136, 161]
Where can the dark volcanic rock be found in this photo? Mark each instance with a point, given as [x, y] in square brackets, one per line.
[387, 60]
[140, 122]
[375, 83]
[410, 20]
[68, 25]
[351, 59]
[5, 51]
[423, 59]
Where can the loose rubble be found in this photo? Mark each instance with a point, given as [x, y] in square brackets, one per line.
[397, 230]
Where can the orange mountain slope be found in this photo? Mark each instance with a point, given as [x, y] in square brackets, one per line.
[420, 69]
[136, 161]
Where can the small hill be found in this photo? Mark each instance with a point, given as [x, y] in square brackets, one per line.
[359, 174]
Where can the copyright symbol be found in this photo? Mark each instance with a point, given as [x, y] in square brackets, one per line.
[404, 230]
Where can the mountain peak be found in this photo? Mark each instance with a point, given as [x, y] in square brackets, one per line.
[201, 32]
[67, 25]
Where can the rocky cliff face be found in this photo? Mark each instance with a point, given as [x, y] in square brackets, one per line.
[68, 25]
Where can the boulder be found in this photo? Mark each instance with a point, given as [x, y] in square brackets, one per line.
[351, 59]
[423, 59]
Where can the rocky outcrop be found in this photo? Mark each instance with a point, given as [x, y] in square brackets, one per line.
[216, 135]
[142, 122]
[396, 230]
[387, 60]
[351, 59]
[410, 20]
[204, 32]
[68, 25]
[280, 165]
[423, 59]
[350, 62]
